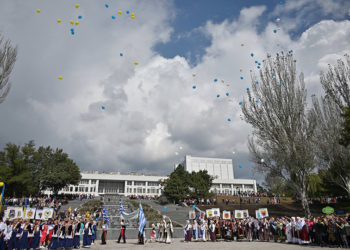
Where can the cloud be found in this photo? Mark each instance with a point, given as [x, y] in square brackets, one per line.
[151, 110]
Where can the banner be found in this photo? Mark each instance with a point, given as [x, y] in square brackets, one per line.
[263, 212]
[47, 213]
[39, 214]
[29, 213]
[257, 214]
[192, 215]
[2, 193]
[226, 215]
[214, 212]
[12, 213]
[132, 216]
[202, 215]
[241, 214]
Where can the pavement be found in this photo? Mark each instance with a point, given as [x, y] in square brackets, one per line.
[179, 244]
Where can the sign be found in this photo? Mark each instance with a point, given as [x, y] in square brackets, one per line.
[29, 213]
[39, 214]
[47, 213]
[192, 215]
[241, 214]
[202, 215]
[328, 210]
[12, 213]
[340, 211]
[226, 215]
[214, 212]
[263, 212]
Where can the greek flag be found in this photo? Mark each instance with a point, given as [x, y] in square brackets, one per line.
[121, 207]
[142, 219]
[105, 214]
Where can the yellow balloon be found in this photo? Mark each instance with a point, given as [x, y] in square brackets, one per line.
[60, 77]
[132, 17]
[71, 22]
[119, 12]
[133, 14]
[1, 184]
[59, 20]
[38, 10]
[136, 63]
[77, 6]
[76, 23]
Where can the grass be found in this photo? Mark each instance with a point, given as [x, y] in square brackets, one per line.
[90, 206]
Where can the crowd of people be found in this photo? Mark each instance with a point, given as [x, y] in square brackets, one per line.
[328, 230]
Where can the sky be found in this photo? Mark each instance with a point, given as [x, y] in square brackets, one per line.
[109, 114]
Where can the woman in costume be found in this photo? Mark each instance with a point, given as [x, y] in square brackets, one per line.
[69, 235]
[187, 231]
[36, 239]
[170, 231]
[195, 230]
[212, 231]
[87, 233]
[54, 237]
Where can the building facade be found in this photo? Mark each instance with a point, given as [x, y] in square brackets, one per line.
[222, 171]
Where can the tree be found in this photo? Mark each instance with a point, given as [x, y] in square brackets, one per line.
[176, 187]
[8, 55]
[282, 127]
[200, 184]
[333, 118]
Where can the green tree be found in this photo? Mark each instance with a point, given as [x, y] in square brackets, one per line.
[176, 187]
[282, 127]
[200, 183]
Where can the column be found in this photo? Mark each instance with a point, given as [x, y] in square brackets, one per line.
[243, 187]
[220, 188]
[97, 183]
[125, 188]
[254, 186]
[232, 192]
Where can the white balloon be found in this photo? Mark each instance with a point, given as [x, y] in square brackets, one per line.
[180, 148]
[262, 160]
[233, 152]
[278, 20]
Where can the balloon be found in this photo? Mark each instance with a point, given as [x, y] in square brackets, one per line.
[76, 23]
[194, 86]
[257, 101]
[119, 12]
[113, 17]
[176, 153]
[132, 17]
[281, 2]
[165, 207]
[103, 107]
[60, 77]
[227, 94]
[80, 17]
[242, 44]
[257, 82]
[59, 20]
[38, 11]
[121, 54]
[233, 152]
[282, 83]
[127, 12]
[215, 80]
[136, 63]
[229, 119]
[133, 14]
[256, 61]
[194, 206]
[274, 31]
[259, 64]
[217, 95]
[240, 103]
[77, 6]
[247, 89]
[180, 147]
[240, 166]
[106, 5]
[241, 77]
[251, 54]
[258, 67]
[72, 30]
[278, 20]
[71, 22]
[262, 160]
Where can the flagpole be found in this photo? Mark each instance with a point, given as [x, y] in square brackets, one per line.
[2, 193]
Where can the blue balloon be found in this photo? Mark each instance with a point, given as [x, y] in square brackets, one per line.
[251, 54]
[113, 17]
[194, 87]
[121, 54]
[165, 208]
[279, 85]
[127, 12]
[106, 5]
[240, 103]
[241, 77]
[80, 17]
[217, 95]
[229, 119]
[227, 94]
[240, 166]
[257, 101]
[281, 2]
[256, 61]
[259, 64]
[194, 206]
[257, 82]
[282, 83]
[247, 89]
[258, 67]
[103, 107]
[72, 30]
[215, 80]
[274, 31]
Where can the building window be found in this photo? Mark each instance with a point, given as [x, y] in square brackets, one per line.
[84, 181]
[76, 189]
[139, 183]
[71, 189]
[93, 181]
[134, 190]
[86, 189]
[152, 183]
[129, 183]
[92, 189]
[139, 190]
[81, 189]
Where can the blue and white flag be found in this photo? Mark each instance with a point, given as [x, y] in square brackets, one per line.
[25, 202]
[142, 219]
[105, 214]
[121, 207]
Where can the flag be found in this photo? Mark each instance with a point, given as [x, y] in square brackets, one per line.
[142, 219]
[105, 214]
[25, 203]
[121, 207]
[2, 193]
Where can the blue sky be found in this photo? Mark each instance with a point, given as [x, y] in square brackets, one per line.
[153, 116]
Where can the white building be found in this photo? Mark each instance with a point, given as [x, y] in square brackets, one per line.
[222, 171]
[96, 183]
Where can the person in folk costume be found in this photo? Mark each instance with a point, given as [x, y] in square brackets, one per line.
[11, 235]
[195, 230]
[240, 230]
[62, 235]
[87, 233]
[30, 233]
[170, 231]
[49, 232]
[310, 224]
[153, 236]
[304, 234]
[187, 231]
[23, 241]
[3, 229]
[141, 236]
[122, 231]
[261, 230]
[19, 232]
[217, 229]
[54, 237]
[94, 232]
[266, 230]
[203, 229]
[160, 230]
[227, 230]
[76, 237]
[44, 231]
[165, 228]
[104, 233]
[69, 235]
[212, 231]
[35, 244]
[249, 230]
[281, 230]
[289, 233]
[273, 229]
